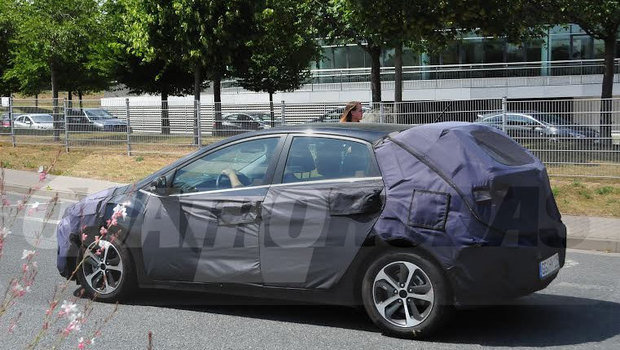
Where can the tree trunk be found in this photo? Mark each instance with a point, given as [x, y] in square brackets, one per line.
[273, 117]
[55, 110]
[398, 81]
[607, 89]
[69, 99]
[197, 91]
[80, 98]
[36, 100]
[375, 73]
[398, 73]
[217, 101]
[165, 120]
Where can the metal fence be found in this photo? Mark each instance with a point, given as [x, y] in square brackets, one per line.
[574, 137]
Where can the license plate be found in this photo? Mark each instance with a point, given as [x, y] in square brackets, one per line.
[549, 266]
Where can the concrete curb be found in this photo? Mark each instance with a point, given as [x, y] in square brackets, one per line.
[593, 244]
[74, 196]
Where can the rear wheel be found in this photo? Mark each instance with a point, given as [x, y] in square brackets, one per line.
[406, 295]
[106, 271]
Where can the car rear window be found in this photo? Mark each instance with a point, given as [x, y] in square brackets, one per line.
[501, 148]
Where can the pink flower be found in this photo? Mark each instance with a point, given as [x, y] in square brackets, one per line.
[68, 307]
[103, 231]
[18, 290]
[27, 254]
[98, 252]
[6, 202]
[42, 176]
[119, 211]
[81, 344]
[96, 239]
[84, 236]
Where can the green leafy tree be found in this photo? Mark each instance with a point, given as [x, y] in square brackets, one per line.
[280, 62]
[206, 36]
[8, 85]
[128, 57]
[379, 25]
[601, 20]
[49, 33]
[356, 21]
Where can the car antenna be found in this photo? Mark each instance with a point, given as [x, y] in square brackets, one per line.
[443, 112]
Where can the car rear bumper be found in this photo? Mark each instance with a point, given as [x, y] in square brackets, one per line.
[486, 273]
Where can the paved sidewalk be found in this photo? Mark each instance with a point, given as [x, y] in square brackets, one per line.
[67, 187]
[588, 233]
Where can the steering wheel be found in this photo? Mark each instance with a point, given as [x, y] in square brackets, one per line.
[242, 178]
[220, 178]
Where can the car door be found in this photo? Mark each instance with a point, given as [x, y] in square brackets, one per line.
[204, 230]
[321, 211]
[19, 123]
[245, 123]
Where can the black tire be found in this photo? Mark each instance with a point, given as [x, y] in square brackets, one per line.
[123, 287]
[427, 282]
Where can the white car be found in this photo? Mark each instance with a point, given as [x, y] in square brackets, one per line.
[34, 121]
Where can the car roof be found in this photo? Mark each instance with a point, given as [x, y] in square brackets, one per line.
[34, 114]
[499, 112]
[365, 131]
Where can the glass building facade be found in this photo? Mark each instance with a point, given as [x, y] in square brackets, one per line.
[561, 43]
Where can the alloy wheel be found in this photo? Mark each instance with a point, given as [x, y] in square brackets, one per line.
[403, 294]
[103, 267]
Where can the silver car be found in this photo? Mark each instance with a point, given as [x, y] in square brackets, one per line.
[34, 121]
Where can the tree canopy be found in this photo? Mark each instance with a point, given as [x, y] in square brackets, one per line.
[280, 62]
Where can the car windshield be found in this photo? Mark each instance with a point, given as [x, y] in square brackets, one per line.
[552, 119]
[98, 114]
[42, 118]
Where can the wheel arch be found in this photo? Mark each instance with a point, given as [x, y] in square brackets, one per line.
[376, 247]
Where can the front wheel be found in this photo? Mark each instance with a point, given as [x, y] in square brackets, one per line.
[106, 271]
[406, 295]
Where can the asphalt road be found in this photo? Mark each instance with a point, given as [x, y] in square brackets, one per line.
[580, 309]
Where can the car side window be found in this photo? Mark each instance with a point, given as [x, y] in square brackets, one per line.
[249, 160]
[319, 158]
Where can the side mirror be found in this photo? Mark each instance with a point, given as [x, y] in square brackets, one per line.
[160, 186]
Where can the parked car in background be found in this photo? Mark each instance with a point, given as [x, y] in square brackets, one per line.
[236, 123]
[537, 125]
[360, 214]
[34, 122]
[6, 122]
[94, 119]
[334, 115]
[615, 138]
